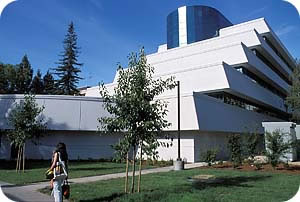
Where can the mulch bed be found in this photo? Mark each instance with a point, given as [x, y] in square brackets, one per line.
[292, 169]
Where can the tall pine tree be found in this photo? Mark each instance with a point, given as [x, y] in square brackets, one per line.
[24, 76]
[69, 68]
[37, 86]
[49, 85]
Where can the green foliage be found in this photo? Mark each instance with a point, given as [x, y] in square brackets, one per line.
[37, 85]
[48, 83]
[134, 111]
[7, 79]
[23, 76]
[69, 68]
[3, 80]
[235, 148]
[133, 107]
[210, 156]
[251, 143]
[293, 98]
[277, 146]
[26, 121]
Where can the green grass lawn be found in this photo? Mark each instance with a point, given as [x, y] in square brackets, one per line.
[36, 170]
[232, 185]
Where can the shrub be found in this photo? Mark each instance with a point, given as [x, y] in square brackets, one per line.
[210, 156]
[277, 146]
[258, 165]
[251, 144]
[235, 148]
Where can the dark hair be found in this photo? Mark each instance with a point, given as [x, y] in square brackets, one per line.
[61, 148]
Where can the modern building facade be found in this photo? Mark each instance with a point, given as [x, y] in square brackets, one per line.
[233, 78]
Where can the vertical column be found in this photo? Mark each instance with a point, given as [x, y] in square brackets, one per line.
[182, 26]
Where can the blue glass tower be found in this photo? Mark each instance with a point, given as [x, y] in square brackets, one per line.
[190, 24]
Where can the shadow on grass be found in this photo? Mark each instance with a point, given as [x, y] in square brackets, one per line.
[228, 182]
[106, 198]
[29, 164]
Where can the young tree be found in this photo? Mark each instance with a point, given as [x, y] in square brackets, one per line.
[37, 85]
[134, 110]
[293, 99]
[69, 68]
[235, 148]
[277, 146]
[24, 76]
[27, 124]
[49, 84]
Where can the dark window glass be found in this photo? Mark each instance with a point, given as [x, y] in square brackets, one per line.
[228, 98]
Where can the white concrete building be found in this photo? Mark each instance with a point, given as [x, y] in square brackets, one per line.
[230, 83]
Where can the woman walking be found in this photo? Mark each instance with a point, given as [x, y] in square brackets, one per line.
[59, 166]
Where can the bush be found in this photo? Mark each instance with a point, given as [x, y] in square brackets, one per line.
[235, 148]
[251, 144]
[277, 146]
[209, 156]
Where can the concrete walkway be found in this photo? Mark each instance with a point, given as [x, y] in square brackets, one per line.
[29, 193]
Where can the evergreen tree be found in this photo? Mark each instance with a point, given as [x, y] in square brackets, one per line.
[49, 84]
[7, 79]
[293, 99]
[69, 68]
[37, 86]
[24, 76]
[3, 80]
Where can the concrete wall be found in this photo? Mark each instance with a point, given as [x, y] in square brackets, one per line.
[80, 145]
[61, 112]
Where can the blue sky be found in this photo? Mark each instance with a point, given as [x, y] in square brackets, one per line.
[108, 30]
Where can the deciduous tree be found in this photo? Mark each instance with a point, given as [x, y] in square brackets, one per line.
[27, 124]
[134, 110]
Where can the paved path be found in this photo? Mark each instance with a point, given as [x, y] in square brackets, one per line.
[29, 193]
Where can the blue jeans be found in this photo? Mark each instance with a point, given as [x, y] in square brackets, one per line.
[57, 190]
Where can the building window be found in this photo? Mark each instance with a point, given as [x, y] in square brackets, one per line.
[260, 81]
[228, 98]
[271, 66]
[277, 52]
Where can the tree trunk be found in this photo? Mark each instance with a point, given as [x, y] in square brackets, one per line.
[23, 157]
[140, 171]
[17, 166]
[20, 159]
[126, 179]
[133, 170]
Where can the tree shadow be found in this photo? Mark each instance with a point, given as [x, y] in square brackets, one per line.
[227, 182]
[105, 198]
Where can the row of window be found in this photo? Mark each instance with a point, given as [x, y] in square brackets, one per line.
[271, 66]
[228, 98]
[277, 52]
[260, 81]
